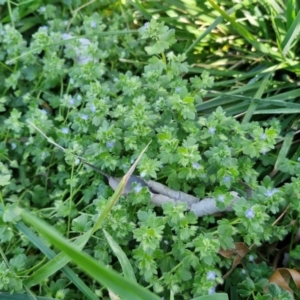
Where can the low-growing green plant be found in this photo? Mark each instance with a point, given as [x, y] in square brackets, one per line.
[104, 88]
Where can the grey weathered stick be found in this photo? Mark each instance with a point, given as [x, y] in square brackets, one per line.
[159, 188]
[160, 193]
[208, 206]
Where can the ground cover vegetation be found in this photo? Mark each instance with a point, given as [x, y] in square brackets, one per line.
[196, 97]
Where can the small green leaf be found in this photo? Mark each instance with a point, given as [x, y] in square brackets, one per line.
[4, 179]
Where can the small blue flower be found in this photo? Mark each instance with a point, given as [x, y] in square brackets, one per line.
[250, 213]
[93, 24]
[84, 117]
[44, 111]
[145, 26]
[93, 108]
[13, 146]
[177, 90]
[211, 275]
[71, 101]
[221, 198]
[251, 257]
[211, 130]
[263, 136]
[243, 271]
[263, 151]
[65, 130]
[270, 193]
[143, 174]
[137, 188]
[212, 290]
[110, 144]
[298, 159]
[66, 36]
[226, 179]
[78, 97]
[77, 161]
[195, 165]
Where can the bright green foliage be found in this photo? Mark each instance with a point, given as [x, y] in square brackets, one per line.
[104, 92]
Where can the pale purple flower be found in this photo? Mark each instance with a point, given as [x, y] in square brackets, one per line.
[93, 24]
[270, 193]
[211, 275]
[66, 36]
[250, 213]
[145, 26]
[263, 136]
[226, 179]
[42, 9]
[251, 257]
[93, 108]
[84, 42]
[84, 117]
[65, 130]
[221, 198]
[71, 101]
[195, 165]
[212, 290]
[137, 188]
[211, 130]
[263, 150]
[110, 144]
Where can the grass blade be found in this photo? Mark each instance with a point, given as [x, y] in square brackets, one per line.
[291, 35]
[123, 260]
[258, 94]
[283, 151]
[117, 193]
[37, 278]
[109, 278]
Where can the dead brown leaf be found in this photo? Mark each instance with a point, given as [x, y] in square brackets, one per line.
[239, 251]
[282, 277]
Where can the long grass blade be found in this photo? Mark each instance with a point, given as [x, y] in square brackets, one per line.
[122, 258]
[291, 35]
[109, 278]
